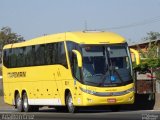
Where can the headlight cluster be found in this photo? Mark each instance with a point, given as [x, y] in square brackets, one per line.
[130, 90]
[88, 91]
[123, 92]
[107, 93]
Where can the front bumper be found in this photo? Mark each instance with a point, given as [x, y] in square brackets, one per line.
[92, 100]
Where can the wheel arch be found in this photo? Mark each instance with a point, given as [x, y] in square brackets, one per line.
[67, 91]
[23, 91]
[16, 92]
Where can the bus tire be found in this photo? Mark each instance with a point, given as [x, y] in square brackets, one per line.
[26, 106]
[70, 105]
[18, 102]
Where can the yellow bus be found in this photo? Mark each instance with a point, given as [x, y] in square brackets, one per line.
[67, 71]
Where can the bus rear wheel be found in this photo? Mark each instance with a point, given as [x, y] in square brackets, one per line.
[26, 106]
[70, 105]
[19, 105]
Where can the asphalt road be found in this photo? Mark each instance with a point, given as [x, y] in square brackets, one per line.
[51, 114]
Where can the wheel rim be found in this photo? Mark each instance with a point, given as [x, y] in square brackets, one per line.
[25, 103]
[70, 104]
[19, 102]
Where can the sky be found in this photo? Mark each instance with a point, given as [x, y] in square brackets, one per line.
[132, 19]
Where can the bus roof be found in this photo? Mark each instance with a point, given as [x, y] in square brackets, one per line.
[84, 37]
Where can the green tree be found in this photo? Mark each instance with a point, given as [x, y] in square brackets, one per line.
[150, 59]
[152, 36]
[8, 37]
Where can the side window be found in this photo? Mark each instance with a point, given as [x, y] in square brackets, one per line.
[13, 58]
[73, 59]
[9, 55]
[6, 58]
[39, 56]
[29, 58]
[75, 68]
[61, 54]
[48, 54]
[42, 54]
[20, 57]
[70, 47]
[54, 53]
[32, 56]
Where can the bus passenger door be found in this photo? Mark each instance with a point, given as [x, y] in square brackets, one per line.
[76, 72]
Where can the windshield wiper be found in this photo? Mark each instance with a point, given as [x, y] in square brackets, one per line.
[104, 78]
[113, 71]
[118, 75]
[98, 74]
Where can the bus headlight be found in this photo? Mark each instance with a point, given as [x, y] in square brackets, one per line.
[123, 92]
[92, 92]
[88, 91]
[130, 90]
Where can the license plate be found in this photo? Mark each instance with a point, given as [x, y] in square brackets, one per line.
[111, 100]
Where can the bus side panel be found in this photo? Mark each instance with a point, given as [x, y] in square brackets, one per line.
[63, 81]
[6, 87]
[43, 91]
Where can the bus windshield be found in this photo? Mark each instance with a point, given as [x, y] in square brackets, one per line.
[106, 65]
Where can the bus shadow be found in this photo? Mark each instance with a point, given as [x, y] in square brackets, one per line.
[81, 110]
[84, 110]
[141, 103]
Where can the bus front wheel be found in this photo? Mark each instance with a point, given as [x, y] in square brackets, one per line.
[70, 105]
[19, 103]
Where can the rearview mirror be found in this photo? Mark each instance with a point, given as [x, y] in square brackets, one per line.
[137, 56]
[79, 57]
